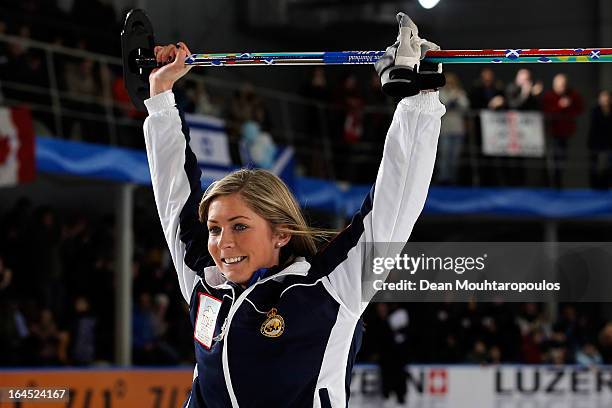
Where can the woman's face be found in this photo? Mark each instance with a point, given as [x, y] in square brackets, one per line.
[240, 241]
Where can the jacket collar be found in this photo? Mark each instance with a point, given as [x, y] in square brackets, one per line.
[215, 278]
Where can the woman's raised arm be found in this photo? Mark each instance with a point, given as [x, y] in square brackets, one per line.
[175, 173]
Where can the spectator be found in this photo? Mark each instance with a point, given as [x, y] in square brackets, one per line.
[316, 89]
[77, 254]
[348, 123]
[351, 103]
[102, 300]
[16, 60]
[83, 333]
[256, 147]
[442, 322]
[528, 318]
[470, 320]
[378, 113]
[501, 330]
[84, 90]
[6, 276]
[143, 331]
[605, 343]
[45, 340]
[600, 142]
[149, 328]
[555, 348]
[45, 241]
[245, 106]
[452, 131]
[486, 93]
[567, 324]
[128, 117]
[160, 308]
[478, 354]
[495, 355]
[588, 355]
[531, 345]
[389, 332]
[557, 356]
[563, 105]
[13, 332]
[523, 93]
[25, 66]
[205, 102]
[166, 354]
[450, 352]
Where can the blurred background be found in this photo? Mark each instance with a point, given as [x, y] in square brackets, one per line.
[88, 294]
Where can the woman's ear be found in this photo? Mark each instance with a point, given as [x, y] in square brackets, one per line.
[282, 237]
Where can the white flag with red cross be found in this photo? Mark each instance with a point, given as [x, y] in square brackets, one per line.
[17, 164]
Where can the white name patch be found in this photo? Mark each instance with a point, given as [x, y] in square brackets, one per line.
[208, 310]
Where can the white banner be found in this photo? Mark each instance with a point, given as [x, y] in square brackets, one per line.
[501, 386]
[512, 133]
[209, 140]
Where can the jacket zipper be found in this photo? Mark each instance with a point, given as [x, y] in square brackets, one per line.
[228, 321]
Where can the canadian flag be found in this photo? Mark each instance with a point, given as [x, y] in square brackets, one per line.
[16, 146]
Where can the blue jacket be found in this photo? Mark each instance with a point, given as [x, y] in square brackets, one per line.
[289, 339]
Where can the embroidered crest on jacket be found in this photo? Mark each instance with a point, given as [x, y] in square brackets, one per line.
[274, 325]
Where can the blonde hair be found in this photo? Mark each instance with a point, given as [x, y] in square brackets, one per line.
[269, 197]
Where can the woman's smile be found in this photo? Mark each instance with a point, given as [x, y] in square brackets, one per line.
[233, 260]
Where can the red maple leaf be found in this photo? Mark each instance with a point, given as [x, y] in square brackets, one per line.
[4, 148]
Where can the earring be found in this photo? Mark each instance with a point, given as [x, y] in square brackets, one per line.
[278, 245]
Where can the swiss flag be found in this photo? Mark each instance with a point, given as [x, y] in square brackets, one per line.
[438, 381]
[16, 146]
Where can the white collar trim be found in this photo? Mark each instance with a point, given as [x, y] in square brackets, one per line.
[215, 278]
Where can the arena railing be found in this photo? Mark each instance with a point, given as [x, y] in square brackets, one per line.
[75, 94]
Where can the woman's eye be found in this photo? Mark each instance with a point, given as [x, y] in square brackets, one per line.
[213, 230]
[240, 227]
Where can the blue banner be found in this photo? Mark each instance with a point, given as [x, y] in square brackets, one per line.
[128, 165]
[91, 160]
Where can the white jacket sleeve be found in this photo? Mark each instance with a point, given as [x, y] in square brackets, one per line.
[175, 176]
[390, 211]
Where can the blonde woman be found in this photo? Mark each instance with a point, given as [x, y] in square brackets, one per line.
[277, 320]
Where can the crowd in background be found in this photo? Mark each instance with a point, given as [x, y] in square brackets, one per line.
[81, 81]
[348, 113]
[57, 291]
[489, 333]
[561, 104]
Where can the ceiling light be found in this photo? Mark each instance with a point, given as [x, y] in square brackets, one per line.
[428, 3]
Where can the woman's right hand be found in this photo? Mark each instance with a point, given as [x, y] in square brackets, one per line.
[162, 79]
